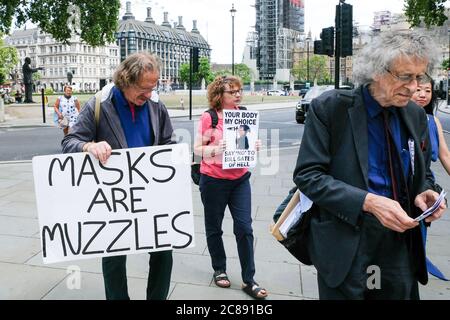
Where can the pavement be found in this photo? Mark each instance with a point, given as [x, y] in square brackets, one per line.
[24, 276]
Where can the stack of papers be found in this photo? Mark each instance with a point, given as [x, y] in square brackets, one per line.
[293, 218]
[433, 208]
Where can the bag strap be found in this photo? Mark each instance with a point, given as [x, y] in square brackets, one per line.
[98, 98]
[214, 117]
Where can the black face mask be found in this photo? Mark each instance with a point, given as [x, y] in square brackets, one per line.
[66, 96]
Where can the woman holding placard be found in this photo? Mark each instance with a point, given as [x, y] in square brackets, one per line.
[220, 188]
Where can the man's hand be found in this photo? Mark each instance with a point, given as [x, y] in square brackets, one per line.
[426, 200]
[100, 150]
[389, 213]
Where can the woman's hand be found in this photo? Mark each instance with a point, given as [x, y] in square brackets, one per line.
[221, 146]
[258, 145]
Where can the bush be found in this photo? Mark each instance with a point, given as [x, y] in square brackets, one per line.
[48, 91]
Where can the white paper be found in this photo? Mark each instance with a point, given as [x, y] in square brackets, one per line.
[240, 131]
[140, 201]
[433, 208]
[294, 217]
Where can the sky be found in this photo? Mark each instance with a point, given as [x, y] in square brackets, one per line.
[214, 18]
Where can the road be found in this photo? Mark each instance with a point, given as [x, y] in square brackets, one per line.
[278, 129]
[25, 143]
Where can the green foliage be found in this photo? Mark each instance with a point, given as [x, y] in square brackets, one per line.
[243, 71]
[240, 70]
[98, 20]
[36, 76]
[317, 69]
[204, 72]
[8, 59]
[431, 12]
[48, 91]
[445, 65]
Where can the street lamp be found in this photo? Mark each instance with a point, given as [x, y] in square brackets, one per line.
[308, 39]
[233, 12]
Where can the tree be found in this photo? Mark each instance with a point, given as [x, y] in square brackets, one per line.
[95, 21]
[317, 69]
[243, 71]
[9, 58]
[431, 11]
[36, 76]
[204, 72]
[445, 64]
[240, 70]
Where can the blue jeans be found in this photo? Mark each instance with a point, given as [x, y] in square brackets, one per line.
[216, 195]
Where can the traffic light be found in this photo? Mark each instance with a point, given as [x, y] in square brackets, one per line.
[318, 47]
[347, 30]
[327, 37]
[194, 59]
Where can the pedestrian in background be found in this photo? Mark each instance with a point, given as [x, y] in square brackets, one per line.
[426, 97]
[67, 108]
[377, 180]
[128, 119]
[220, 188]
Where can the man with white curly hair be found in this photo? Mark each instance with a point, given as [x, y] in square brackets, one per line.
[365, 162]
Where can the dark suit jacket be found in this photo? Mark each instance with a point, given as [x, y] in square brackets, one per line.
[338, 182]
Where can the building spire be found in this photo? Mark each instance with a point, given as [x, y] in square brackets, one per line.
[128, 14]
[149, 18]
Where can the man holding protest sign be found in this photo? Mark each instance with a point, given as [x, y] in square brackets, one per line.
[128, 119]
[220, 188]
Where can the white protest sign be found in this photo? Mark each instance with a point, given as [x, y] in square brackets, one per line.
[139, 201]
[240, 130]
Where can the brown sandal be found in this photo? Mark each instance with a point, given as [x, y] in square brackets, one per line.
[220, 276]
[254, 291]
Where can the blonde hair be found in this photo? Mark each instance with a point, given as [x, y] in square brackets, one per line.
[132, 68]
[217, 88]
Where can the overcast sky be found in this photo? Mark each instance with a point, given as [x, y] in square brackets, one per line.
[214, 18]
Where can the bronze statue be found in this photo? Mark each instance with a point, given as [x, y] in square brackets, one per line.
[69, 77]
[28, 79]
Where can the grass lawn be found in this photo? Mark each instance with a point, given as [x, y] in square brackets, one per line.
[173, 101]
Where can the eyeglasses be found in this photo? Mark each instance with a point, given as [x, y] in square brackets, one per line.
[234, 92]
[407, 78]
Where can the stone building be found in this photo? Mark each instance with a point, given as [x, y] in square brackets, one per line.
[91, 67]
[172, 43]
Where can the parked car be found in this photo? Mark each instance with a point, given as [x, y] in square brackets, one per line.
[302, 106]
[302, 92]
[276, 93]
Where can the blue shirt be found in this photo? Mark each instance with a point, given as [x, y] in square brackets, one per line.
[379, 177]
[137, 128]
[434, 137]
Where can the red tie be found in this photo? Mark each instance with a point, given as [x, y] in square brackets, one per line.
[391, 154]
[132, 109]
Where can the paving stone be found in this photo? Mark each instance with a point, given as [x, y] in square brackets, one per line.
[18, 226]
[27, 282]
[18, 249]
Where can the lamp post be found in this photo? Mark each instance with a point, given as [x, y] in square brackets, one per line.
[233, 12]
[308, 39]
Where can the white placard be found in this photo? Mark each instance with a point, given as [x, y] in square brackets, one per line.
[139, 201]
[240, 131]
